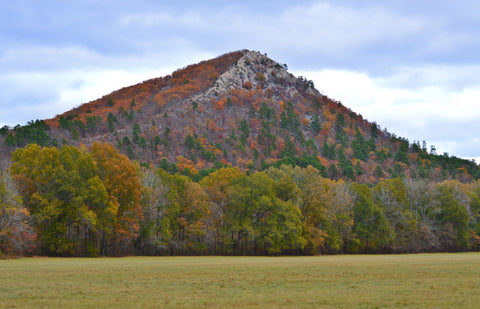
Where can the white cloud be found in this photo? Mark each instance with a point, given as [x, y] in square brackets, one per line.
[336, 28]
[40, 58]
[39, 82]
[97, 84]
[55, 58]
[324, 28]
[446, 117]
[42, 96]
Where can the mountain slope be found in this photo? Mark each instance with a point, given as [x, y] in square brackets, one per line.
[241, 109]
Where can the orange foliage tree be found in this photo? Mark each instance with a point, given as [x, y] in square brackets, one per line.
[123, 187]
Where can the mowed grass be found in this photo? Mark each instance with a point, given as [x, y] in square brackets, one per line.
[355, 281]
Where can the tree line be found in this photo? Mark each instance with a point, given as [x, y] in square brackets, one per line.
[74, 201]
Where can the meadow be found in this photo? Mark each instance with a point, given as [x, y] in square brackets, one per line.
[344, 281]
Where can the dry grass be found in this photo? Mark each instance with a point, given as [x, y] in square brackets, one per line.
[362, 281]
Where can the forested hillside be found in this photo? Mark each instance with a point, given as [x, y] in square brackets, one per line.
[231, 156]
[80, 202]
[245, 110]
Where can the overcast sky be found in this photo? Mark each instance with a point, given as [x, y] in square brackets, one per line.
[411, 66]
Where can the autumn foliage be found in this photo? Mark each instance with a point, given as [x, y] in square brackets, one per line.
[87, 202]
[82, 203]
[211, 134]
[240, 109]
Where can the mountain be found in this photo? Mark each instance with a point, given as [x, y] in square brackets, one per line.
[241, 109]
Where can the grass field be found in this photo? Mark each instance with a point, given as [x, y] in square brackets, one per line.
[357, 281]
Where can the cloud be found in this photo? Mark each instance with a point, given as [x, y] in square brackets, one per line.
[432, 110]
[314, 30]
[39, 58]
[410, 66]
[335, 28]
[42, 96]
[39, 82]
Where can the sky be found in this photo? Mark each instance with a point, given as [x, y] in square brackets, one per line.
[410, 66]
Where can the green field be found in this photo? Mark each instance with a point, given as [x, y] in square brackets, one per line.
[360, 281]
